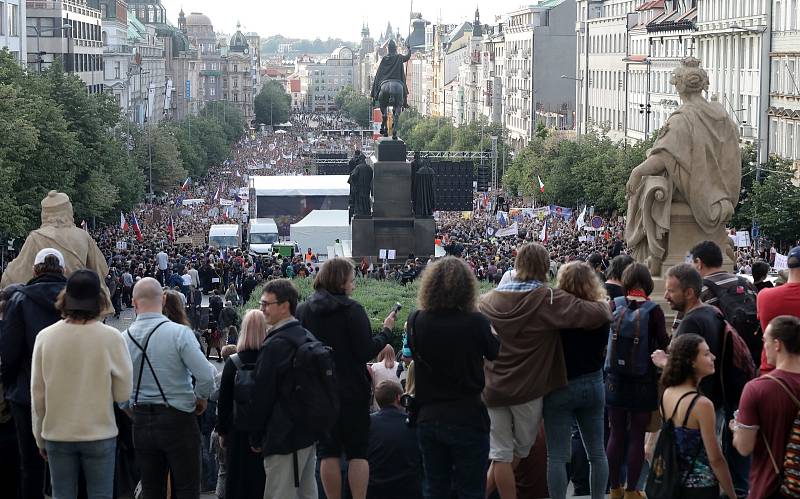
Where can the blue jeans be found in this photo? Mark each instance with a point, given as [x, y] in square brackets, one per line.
[96, 458]
[582, 400]
[453, 455]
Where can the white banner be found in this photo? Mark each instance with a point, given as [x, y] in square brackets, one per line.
[189, 202]
[781, 262]
[226, 202]
[511, 230]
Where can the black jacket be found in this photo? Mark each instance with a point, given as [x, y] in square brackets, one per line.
[228, 317]
[30, 309]
[279, 433]
[343, 325]
[394, 458]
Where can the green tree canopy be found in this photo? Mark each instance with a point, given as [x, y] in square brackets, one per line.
[272, 104]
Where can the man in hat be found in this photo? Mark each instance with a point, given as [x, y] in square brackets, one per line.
[58, 231]
[30, 309]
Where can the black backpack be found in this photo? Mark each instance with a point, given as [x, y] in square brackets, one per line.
[313, 399]
[666, 478]
[738, 305]
[243, 384]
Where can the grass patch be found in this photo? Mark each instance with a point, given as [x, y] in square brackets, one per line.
[377, 298]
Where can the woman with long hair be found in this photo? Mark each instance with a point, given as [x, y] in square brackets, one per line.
[583, 399]
[703, 468]
[631, 398]
[245, 469]
[174, 309]
[342, 323]
[450, 340]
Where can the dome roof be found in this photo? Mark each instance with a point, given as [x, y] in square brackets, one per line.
[238, 42]
[198, 19]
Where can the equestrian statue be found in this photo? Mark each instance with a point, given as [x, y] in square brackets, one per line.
[389, 87]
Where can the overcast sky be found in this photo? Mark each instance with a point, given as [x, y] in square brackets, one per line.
[332, 18]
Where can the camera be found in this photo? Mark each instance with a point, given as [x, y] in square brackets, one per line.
[409, 403]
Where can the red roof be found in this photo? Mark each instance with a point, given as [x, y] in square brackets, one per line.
[654, 4]
[294, 85]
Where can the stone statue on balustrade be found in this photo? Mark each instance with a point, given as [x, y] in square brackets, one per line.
[360, 187]
[424, 190]
[687, 188]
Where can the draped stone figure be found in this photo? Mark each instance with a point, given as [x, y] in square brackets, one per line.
[424, 190]
[694, 168]
[360, 187]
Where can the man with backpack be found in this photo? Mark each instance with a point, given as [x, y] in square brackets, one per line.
[782, 300]
[734, 295]
[294, 397]
[766, 425]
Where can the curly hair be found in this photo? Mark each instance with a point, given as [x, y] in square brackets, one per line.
[579, 279]
[683, 351]
[448, 284]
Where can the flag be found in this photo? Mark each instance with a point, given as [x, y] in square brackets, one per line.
[136, 229]
[581, 223]
[216, 195]
[186, 183]
[84, 226]
[171, 229]
[123, 222]
[543, 234]
[541, 184]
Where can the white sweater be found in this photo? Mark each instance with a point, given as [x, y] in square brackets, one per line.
[78, 372]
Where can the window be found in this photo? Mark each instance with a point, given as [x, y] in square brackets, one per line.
[116, 69]
[13, 20]
[2, 16]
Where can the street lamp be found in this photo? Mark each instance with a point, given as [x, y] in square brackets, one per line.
[582, 115]
[39, 32]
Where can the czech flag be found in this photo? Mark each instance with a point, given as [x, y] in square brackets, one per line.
[186, 183]
[541, 184]
[171, 229]
[543, 234]
[123, 222]
[136, 229]
[216, 195]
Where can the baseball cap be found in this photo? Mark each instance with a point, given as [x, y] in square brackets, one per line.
[44, 253]
[82, 291]
[793, 258]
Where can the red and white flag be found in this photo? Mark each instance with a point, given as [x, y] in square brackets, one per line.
[171, 229]
[136, 229]
[123, 222]
[543, 234]
[186, 183]
[84, 225]
[541, 184]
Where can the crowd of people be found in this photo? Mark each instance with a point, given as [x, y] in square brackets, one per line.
[485, 399]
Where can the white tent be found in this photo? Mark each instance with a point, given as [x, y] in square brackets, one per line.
[301, 185]
[320, 229]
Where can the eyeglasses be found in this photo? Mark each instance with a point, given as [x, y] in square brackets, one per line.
[265, 304]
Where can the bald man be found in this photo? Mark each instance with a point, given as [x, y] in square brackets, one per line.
[165, 357]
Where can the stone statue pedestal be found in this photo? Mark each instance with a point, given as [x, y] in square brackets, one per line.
[389, 149]
[392, 225]
[684, 234]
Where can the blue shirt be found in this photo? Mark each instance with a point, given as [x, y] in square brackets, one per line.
[175, 356]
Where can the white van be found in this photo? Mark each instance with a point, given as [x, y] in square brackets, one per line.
[225, 236]
[262, 234]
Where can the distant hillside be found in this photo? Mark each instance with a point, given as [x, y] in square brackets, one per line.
[270, 45]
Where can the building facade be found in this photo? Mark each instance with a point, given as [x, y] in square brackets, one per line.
[13, 28]
[321, 81]
[784, 107]
[68, 30]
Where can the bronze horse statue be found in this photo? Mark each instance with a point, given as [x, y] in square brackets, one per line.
[389, 87]
[391, 94]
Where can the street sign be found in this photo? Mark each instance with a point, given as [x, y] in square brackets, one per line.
[597, 222]
[188, 89]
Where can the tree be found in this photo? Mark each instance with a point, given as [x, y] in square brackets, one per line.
[272, 104]
[356, 106]
[773, 202]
